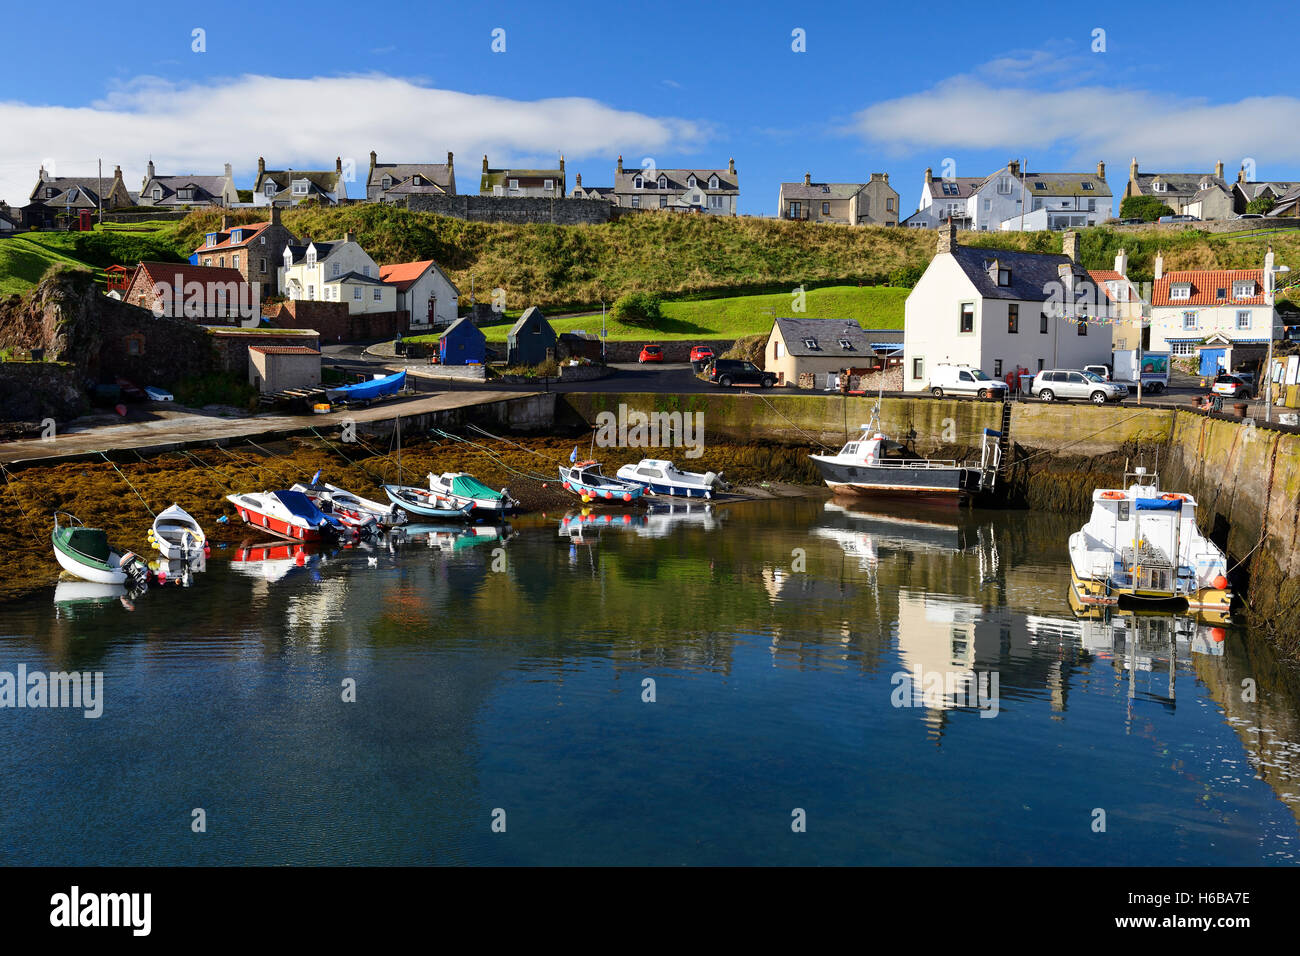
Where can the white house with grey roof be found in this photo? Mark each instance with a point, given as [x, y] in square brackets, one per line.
[712, 191]
[998, 309]
[943, 200]
[1013, 199]
[289, 187]
[336, 272]
[191, 190]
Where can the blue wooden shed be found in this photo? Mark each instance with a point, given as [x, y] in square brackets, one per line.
[462, 344]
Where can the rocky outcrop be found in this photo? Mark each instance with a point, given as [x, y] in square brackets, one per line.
[33, 392]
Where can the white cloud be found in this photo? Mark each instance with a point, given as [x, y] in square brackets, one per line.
[306, 123]
[1088, 123]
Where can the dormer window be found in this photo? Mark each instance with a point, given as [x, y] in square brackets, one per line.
[157, 193]
[663, 182]
[713, 182]
[1040, 186]
[415, 180]
[690, 181]
[311, 257]
[237, 235]
[386, 182]
[1244, 289]
[269, 189]
[300, 187]
[1204, 184]
[636, 182]
[335, 269]
[1004, 277]
[1180, 290]
[1157, 186]
[184, 194]
[514, 184]
[212, 239]
[51, 192]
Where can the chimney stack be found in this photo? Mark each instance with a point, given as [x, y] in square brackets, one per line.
[1218, 169]
[620, 166]
[275, 215]
[450, 159]
[1133, 168]
[561, 163]
[1070, 245]
[1160, 265]
[225, 223]
[1101, 170]
[338, 165]
[374, 159]
[1241, 174]
[947, 237]
[929, 175]
[485, 165]
[229, 171]
[577, 181]
[1121, 263]
[261, 166]
[349, 236]
[1014, 166]
[807, 179]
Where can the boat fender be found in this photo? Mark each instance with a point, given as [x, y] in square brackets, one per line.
[1174, 496]
[609, 494]
[1217, 634]
[627, 496]
[1221, 582]
[1113, 495]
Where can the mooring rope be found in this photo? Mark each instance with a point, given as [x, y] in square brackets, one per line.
[128, 484]
[815, 441]
[10, 481]
[339, 452]
[496, 460]
[484, 431]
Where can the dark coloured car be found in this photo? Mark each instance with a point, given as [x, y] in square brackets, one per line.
[728, 372]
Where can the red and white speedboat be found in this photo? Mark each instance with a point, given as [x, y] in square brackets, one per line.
[361, 514]
[289, 514]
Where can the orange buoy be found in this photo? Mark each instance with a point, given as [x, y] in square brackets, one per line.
[1217, 634]
[1113, 494]
[1220, 582]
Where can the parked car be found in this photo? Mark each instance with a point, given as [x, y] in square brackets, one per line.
[702, 353]
[1053, 384]
[1232, 386]
[130, 390]
[1101, 371]
[651, 353]
[728, 372]
[964, 380]
[1249, 215]
[1131, 222]
[1180, 218]
[157, 394]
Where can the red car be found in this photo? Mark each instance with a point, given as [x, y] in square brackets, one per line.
[702, 353]
[651, 353]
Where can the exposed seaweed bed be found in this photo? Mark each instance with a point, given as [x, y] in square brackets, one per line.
[199, 481]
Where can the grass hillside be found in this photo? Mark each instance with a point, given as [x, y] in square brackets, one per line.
[874, 307]
[680, 257]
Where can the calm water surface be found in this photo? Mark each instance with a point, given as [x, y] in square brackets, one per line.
[514, 679]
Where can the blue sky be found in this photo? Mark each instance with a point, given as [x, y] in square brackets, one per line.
[890, 88]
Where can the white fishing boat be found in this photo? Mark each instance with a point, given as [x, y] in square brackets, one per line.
[1142, 545]
[458, 487]
[361, 514]
[177, 535]
[665, 478]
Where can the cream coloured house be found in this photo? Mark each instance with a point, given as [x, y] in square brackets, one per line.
[1188, 307]
[336, 272]
[803, 352]
[1124, 301]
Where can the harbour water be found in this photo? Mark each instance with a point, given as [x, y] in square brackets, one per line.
[787, 682]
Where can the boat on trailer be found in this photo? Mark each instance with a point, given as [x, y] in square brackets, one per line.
[86, 554]
[660, 477]
[458, 487]
[177, 535]
[1142, 546]
[872, 465]
[588, 482]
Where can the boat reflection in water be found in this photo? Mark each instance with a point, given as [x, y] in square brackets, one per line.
[274, 560]
[75, 596]
[450, 538]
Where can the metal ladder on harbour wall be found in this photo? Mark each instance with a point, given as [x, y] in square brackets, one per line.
[991, 469]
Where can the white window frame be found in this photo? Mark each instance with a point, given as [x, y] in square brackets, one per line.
[1189, 321]
[356, 293]
[1247, 315]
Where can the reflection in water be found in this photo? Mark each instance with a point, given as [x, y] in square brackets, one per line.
[907, 671]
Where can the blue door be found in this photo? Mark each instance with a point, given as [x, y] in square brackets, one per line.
[1211, 359]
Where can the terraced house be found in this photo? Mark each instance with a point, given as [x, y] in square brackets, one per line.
[1206, 191]
[1226, 316]
[873, 203]
[289, 187]
[1013, 199]
[55, 196]
[943, 201]
[179, 192]
[255, 250]
[394, 182]
[712, 191]
[523, 183]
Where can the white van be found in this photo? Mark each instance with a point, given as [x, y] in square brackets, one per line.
[964, 380]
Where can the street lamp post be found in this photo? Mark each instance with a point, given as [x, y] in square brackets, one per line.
[603, 333]
[1270, 270]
